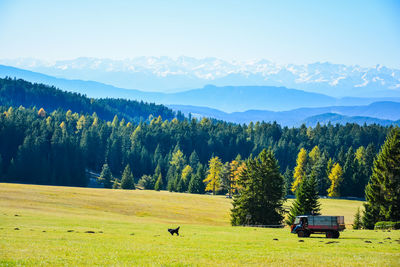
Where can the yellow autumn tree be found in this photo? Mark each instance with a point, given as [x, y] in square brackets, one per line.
[80, 124]
[186, 172]
[314, 155]
[360, 155]
[178, 159]
[42, 113]
[300, 170]
[236, 168]
[212, 179]
[336, 178]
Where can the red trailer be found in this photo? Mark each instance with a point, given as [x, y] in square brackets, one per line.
[306, 225]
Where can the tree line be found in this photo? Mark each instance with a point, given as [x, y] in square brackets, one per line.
[18, 92]
[57, 147]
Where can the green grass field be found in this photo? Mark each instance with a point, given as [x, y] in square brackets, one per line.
[131, 229]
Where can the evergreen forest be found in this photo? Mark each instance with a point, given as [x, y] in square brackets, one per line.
[48, 136]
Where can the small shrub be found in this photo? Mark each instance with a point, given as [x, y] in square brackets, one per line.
[387, 225]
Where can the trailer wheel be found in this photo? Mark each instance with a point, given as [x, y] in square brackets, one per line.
[307, 234]
[329, 234]
[300, 233]
[336, 234]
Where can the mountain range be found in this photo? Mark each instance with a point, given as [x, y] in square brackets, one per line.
[240, 104]
[227, 98]
[165, 74]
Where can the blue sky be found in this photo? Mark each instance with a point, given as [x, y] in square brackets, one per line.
[349, 32]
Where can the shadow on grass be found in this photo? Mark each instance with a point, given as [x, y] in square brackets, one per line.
[340, 238]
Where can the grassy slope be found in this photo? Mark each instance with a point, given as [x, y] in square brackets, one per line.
[134, 223]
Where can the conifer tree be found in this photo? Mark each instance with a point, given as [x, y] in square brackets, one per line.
[357, 220]
[147, 182]
[225, 178]
[196, 185]
[171, 178]
[194, 160]
[42, 113]
[157, 172]
[180, 187]
[127, 181]
[288, 178]
[318, 171]
[307, 200]
[116, 184]
[236, 168]
[187, 173]
[347, 186]
[212, 180]
[106, 176]
[159, 183]
[314, 155]
[300, 171]
[336, 178]
[171, 186]
[261, 192]
[382, 192]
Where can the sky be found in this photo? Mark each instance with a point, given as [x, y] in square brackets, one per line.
[350, 32]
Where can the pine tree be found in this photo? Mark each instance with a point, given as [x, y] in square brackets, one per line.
[297, 209]
[382, 191]
[157, 172]
[307, 200]
[312, 206]
[170, 185]
[288, 178]
[225, 178]
[127, 181]
[261, 194]
[349, 182]
[170, 178]
[318, 170]
[194, 160]
[115, 121]
[159, 184]
[357, 220]
[180, 187]
[336, 178]
[106, 176]
[147, 182]
[187, 173]
[300, 171]
[196, 185]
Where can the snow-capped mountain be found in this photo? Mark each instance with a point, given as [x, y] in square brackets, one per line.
[174, 74]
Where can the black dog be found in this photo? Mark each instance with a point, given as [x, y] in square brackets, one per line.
[174, 231]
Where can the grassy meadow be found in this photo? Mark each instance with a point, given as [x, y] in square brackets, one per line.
[56, 226]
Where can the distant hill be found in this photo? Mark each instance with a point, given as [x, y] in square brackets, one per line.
[383, 112]
[227, 98]
[22, 93]
[341, 119]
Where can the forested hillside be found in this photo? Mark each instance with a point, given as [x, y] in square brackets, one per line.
[56, 147]
[19, 92]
